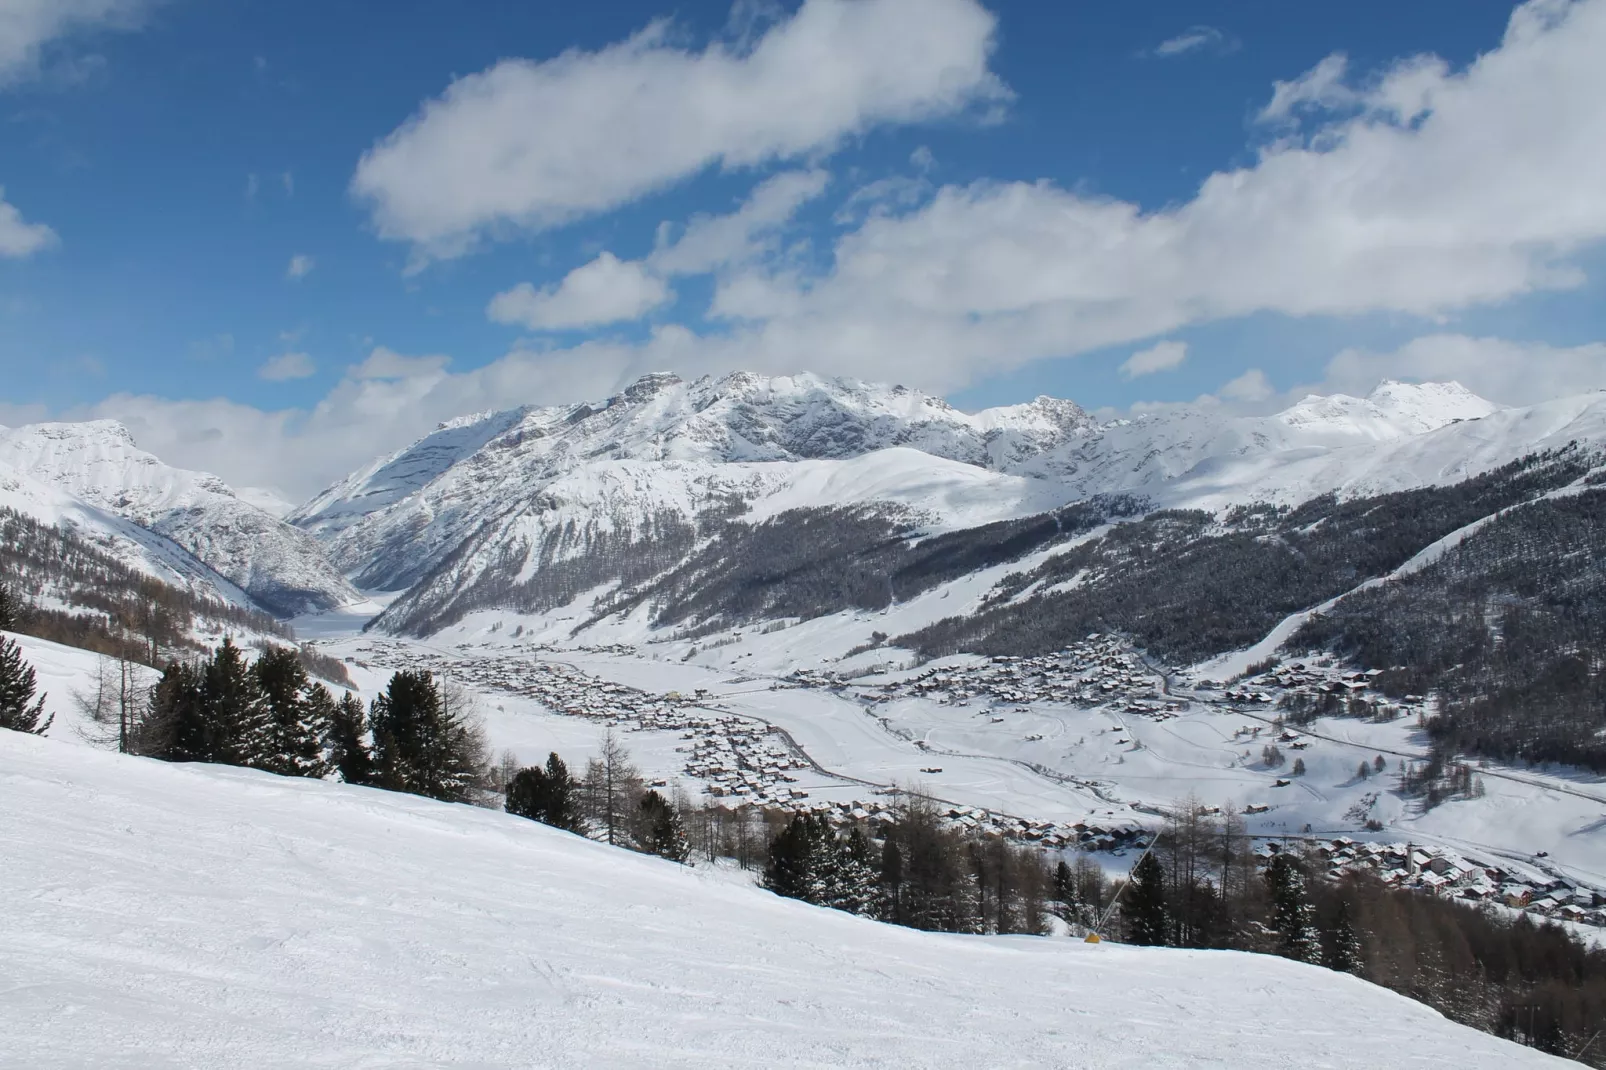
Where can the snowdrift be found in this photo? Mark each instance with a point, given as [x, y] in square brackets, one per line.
[201, 916]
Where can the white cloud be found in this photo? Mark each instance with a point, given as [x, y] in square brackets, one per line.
[1194, 39]
[708, 243]
[606, 290]
[287, 366]
[1508, 372]
[533, 144]
[18, 238]
[1442, 190]
[1323, 87]
[1252, 385]
[300, 267]
[1160, 357]
[28, 26]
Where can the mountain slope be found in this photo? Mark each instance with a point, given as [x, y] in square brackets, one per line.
[555, 502]
[181, 915]
[95, 468]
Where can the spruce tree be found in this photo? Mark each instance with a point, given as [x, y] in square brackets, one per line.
[348, 746]
[175, 727]
[892, 883]
[19, 710]
[858, 890]
[546, 795]
[421, 745]
[297, 716]
[1292, 915]
[1341, 949]
[789, 870]
[663, 832]
[1148, 921]
[9, 609]
[235, 709]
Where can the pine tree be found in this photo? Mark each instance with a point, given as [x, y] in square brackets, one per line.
[297, 716]
[663, 833]
[1292, 915]
[1341, 949]
[10, 610]
[235, 709]
[858, 890]
[1148, 921]
[891, 890]
[789, 871]
[175, 726]
[348, 746]
[19, 710]
[546, 795]
[422, 744]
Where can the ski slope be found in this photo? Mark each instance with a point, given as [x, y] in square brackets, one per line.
[199, 916]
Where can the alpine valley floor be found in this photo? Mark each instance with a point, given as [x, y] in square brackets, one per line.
[187, 916]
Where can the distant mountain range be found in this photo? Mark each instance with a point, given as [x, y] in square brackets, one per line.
[583, 502]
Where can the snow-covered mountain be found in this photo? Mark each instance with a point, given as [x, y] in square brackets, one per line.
[668, 449]
[182, 526]
[509, 494]
[278, 921]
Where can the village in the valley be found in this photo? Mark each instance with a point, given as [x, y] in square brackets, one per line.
[741, 760]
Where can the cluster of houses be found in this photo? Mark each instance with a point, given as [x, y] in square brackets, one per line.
[1316, 679]
[1444, 871]
[1094, 834]
[738, 758]
[1101, 670]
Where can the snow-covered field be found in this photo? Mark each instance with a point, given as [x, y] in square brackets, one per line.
[192, 916]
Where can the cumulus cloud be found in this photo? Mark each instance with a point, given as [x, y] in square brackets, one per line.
[300, 267]
[287, 366]
[710, 242]
[606, 290]
[1194, 39]
[19, 238]
[1508, 372]
[1161, 357]
[1252, 385]
[610, 290]
[1436, 191]
[28, 26]
[533, 144]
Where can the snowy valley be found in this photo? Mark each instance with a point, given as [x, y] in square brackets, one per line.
[818, 596]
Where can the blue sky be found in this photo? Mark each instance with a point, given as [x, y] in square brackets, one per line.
[278, 237]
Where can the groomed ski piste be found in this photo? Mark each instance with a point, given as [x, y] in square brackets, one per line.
[200, 916]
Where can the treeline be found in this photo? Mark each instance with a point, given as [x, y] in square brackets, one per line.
[417, 736]
[109, 607]
[1186, 586]
[1494, 970]
[610, 802]
[1508, 628]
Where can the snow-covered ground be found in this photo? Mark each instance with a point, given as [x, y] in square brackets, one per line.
[162, 915]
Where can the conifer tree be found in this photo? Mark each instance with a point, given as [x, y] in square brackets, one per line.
[9, 609]
[663, 832]
[19, 710]
[858, 889]
[1341, 949]
[421, 744]
[1292, 915]
[175, 726]
[348, 745]
[546, 795]
[297, 716]
[1147, 919]
[235, 709]
[789, 871]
